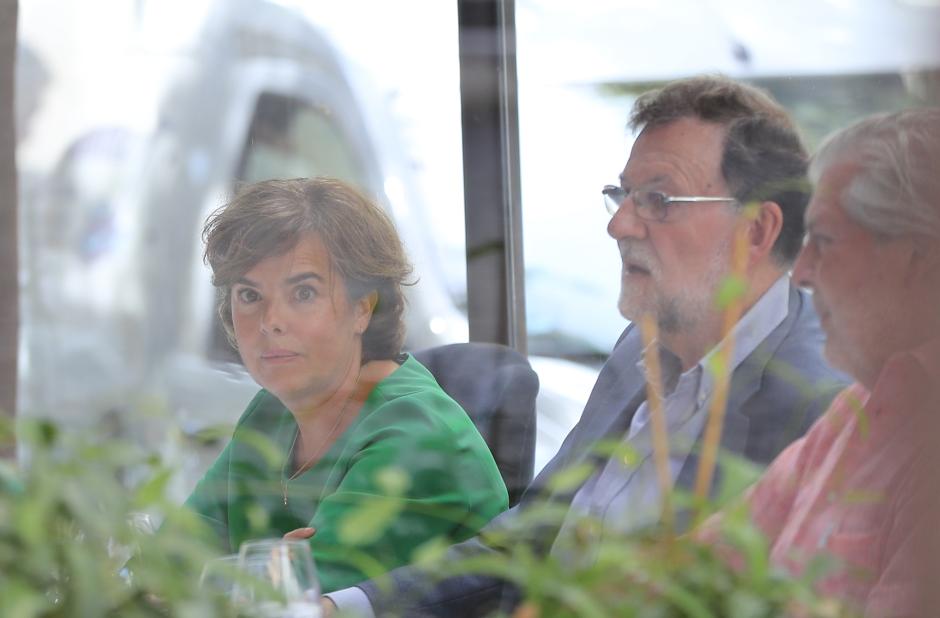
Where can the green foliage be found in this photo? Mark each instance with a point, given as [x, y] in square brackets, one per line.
[722, 570]
[67, 527]
[369, 520]
[597, 572]
[732, 289]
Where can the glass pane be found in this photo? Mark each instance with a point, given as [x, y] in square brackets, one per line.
[139, 117]
[290, 138]
[580, 71]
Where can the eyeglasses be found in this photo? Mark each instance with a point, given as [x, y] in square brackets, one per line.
[651, 205]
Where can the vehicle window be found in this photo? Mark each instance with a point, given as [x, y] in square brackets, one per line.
[291, 138]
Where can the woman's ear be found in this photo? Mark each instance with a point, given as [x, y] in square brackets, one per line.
[365, 306]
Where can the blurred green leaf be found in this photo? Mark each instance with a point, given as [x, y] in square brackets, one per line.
[430, 552]
[731, 289]
[64, 533]
[737, 474]
[643, 574]
[571, 477]
[270, 452]
[623, 451]
[746, 604]
[257, 516]
[393, 481]
[154, 489]
[368, 522]
[862, 496]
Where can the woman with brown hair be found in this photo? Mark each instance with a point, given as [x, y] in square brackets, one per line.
[348, 435]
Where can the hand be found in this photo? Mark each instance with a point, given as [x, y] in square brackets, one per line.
[301, 533]
[328, 607]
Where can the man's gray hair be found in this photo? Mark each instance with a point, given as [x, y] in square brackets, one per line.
[896, 191]
[763, 158]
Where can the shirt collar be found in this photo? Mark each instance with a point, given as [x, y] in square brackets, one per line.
[754, 326]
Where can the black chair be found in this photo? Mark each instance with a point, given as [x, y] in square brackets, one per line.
[497, 387]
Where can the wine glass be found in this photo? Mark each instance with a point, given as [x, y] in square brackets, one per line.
[137, 525]
[141, 523]
[219, 575]
[277, 579]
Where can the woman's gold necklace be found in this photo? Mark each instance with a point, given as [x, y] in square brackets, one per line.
[306, 465]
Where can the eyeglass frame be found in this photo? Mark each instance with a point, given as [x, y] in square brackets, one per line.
[614, 197]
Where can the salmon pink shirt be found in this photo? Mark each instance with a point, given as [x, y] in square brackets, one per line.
[852, 487]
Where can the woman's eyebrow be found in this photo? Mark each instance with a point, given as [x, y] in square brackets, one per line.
[289, 281]
[303, 277]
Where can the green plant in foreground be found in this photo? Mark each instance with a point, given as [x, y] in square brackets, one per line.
[596, 572]
[651, 575]
[66, 530]
[65, 534]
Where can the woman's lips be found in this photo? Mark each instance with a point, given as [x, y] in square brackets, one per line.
[276, 356]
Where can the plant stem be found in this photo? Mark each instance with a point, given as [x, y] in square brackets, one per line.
[654, 401]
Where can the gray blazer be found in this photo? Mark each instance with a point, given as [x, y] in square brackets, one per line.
[776, 393]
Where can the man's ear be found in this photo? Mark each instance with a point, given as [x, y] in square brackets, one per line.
[365, 306]
[924, 259]
[765, 221]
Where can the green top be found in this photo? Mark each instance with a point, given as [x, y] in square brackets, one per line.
[411, 468]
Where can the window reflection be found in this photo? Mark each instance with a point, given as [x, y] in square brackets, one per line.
[211, 93]
[290, 138]
[827, 63]
[119, 314]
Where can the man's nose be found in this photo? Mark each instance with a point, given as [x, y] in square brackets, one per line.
[625, 223]
[803, 267]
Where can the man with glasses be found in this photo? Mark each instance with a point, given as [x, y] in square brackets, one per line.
[714, 161]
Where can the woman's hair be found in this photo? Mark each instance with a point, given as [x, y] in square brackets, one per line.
[269, 218]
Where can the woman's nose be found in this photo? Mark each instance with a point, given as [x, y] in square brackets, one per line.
[272, 321]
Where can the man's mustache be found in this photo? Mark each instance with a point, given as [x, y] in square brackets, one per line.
[634, 254]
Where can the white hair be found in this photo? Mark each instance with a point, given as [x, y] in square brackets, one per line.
[896, 191]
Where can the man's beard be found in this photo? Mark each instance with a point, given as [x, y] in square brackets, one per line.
[681, 310]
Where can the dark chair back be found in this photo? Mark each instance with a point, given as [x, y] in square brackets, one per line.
[497, 387]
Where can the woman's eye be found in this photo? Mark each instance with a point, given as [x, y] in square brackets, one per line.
[304, 293]
[246, 295]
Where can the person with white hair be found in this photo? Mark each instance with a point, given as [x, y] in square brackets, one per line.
[853, 487]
